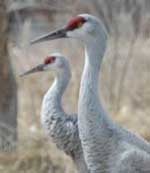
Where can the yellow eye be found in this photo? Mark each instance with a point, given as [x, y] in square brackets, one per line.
[80, 24]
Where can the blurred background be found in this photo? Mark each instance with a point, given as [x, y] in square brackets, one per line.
[124, 80]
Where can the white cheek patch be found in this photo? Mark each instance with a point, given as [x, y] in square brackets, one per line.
[71, 33]
[77, 33]
[47, 67]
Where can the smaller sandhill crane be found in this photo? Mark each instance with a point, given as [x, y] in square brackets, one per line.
[62, 128]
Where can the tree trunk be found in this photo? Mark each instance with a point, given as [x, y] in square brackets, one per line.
[8, 94]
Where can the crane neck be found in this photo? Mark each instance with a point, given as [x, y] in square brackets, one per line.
[89, 103]
[54, 95]
[94, 53]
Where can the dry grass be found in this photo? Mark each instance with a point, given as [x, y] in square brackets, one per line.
[133, 111]
[124, 86]
[35, 156]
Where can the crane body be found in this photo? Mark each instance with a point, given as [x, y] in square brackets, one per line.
[61, 127]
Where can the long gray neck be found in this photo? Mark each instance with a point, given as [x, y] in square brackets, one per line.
[53, 96]
[90, 108]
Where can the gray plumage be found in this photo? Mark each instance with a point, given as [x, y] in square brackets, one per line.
[62, 128]
[107, 147]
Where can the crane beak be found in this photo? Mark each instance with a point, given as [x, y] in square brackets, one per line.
[38, 68]
[59, 33]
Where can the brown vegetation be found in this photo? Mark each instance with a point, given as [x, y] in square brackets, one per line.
[8, 95]
[124, 82]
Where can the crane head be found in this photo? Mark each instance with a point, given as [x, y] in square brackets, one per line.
[83, 27]
[53, 62]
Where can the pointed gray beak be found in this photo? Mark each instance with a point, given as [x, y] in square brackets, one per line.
[38, 68]
[59, 33]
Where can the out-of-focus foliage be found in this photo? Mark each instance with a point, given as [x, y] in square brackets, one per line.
[8, 95]
[124, 81]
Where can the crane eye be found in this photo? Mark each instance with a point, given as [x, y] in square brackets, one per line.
[80, 24]
[49, 60]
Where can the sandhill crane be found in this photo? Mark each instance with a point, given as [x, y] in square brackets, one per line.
[107, 146]
[62, 128]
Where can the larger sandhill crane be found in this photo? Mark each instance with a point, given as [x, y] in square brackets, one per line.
[62, 128]
[107, 147]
